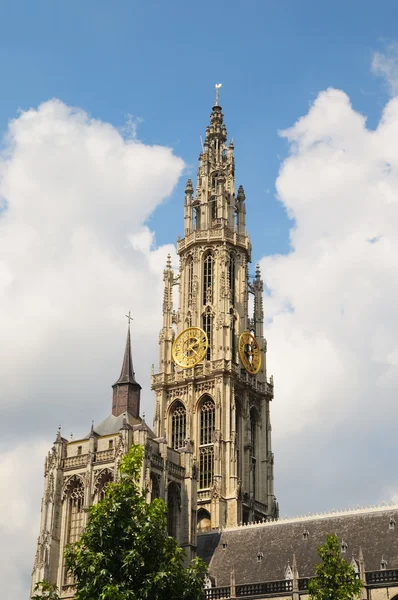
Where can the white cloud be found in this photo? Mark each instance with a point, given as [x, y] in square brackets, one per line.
[385, 64]
[333, 321]
[20, 514]
[75, 256]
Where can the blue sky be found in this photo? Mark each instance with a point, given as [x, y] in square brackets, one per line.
[158, 62]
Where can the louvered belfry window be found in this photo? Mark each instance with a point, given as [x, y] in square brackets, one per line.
[207, 321]
[208, 267]
[190, 279]
[206, 450]
[231, 276]
[178, 426]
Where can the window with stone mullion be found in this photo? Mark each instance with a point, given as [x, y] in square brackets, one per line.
[206, 450]
[178, 427]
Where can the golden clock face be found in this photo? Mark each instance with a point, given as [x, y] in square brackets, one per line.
[249, 353]
[190, 347]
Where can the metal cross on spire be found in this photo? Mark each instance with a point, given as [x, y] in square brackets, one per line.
[129, 317]
[217, 86]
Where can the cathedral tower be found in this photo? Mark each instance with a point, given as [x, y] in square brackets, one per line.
[212, 392]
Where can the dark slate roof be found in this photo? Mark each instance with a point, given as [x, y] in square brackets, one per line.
[112, 425]
[207, 544]
[279, 540]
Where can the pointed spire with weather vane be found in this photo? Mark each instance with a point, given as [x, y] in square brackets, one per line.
[126, 390]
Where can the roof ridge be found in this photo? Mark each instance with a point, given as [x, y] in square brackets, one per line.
[316, 516]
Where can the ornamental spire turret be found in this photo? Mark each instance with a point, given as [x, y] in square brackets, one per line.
[126, 390]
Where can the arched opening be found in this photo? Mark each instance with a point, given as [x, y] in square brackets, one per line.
[102, 480]
[155, 480]
[231, 277]
[189, 272]
[208, 268]
[238, 437]
[74, 497]
[207, 326]
[233, 334]
[173, 508]
[178, 425]
[206, 447]
[213, 208]
[253, 447]
[203, 520]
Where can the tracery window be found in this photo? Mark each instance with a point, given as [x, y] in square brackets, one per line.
[231, 275]
[233, 335]
[178, 426]
[213, 205]
[155, 479]
[190, 279]
[75, 513]
[75, 518]
[206, 449]
[207, 327]
[173, 508]
[253, 439]
[237, 437]
[102, 481]
[208, 265]
[197, 218]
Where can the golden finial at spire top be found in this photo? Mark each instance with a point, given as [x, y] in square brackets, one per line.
[217, 86]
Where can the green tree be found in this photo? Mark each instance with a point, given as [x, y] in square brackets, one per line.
[125, 553]
[45, 591]
[335, 578]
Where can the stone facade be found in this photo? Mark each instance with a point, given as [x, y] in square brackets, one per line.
[77, 471]
[214, 289]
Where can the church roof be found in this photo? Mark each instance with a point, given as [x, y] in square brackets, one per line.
[261, 552]
[112, 425]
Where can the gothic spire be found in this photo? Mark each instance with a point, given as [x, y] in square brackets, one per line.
[127, 374]
[126, 390]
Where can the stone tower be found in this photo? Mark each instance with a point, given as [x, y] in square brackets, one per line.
[217, 407]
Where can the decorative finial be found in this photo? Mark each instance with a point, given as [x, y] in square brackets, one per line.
[217, 86]
[168, 262]
[129, 317]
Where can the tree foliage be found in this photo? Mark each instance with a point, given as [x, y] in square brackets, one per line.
[45, 591]
[125, 553]
[335, 578]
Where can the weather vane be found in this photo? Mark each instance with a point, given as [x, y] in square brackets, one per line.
[217, 86]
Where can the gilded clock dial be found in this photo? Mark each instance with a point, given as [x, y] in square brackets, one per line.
[249, 352]
[190, 347]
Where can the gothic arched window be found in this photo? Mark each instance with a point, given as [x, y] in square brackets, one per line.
[203, 520]
[237, 437]
[105, 477]
[74, 517]
[231, 276]
[233, 335]
[253, 441]
[75, 513]
[178, 425]
[206, 449]
[213, 207]
[190, 279]
[155, 479]
[207, 326]
[208, 267]
[173, 508]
